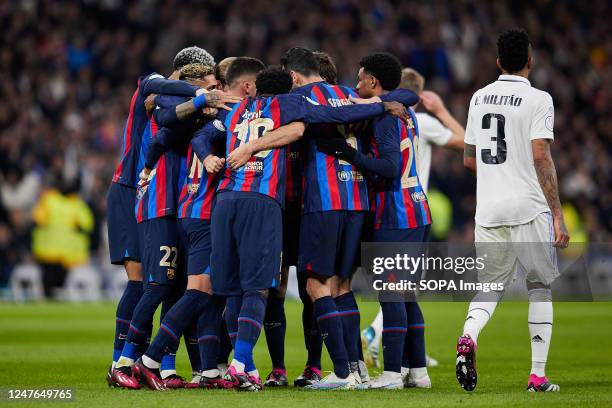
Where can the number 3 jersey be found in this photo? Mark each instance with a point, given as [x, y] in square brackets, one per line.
[503, 119]
[265, 172]
[401, 202]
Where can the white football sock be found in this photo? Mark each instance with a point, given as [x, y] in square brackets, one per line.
[237, 365]
[480, 311]
[405, 371]
[124, 362]
[540, 328]
[166, 373]
[149, 362]
[213, 373]
[418, 372]
[377, 325]
[254, 373]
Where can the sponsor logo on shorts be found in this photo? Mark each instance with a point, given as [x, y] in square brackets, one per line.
[170, 273]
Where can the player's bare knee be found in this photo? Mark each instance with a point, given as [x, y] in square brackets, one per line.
[316, 287]
[133, 270]
[199, 282]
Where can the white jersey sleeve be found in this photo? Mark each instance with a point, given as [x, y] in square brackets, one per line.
[543, 119]
[432, 131]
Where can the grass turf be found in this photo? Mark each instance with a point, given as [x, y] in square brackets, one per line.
[70, 345]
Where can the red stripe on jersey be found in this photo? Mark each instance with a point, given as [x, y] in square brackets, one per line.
[160, 191]
[128, 133]
[319, 95]
[139, 211]
[275, 112]
[427, 212]
[249, 175]
[334, 193]
[226, 178]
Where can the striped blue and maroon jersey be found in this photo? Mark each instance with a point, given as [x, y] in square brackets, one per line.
[134, 143]
[161, 196]
[197, 189]
[328, 182]
[401, 202]
[265, 172]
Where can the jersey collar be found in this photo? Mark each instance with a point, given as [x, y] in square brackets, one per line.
[513, 78]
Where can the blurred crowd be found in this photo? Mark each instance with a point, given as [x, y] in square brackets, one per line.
[68, 70]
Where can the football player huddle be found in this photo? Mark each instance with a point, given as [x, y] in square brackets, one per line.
[232, 172]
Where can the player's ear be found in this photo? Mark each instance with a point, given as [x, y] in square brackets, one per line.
[529, 62]
[499, 64]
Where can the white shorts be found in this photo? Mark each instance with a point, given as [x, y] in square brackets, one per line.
[527, 248]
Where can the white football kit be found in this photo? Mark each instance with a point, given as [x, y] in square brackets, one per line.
[431, 132]
[511, 210]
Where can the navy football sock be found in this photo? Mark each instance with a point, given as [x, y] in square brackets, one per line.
[125, 308]
[330, 324]
[312, 335]
[349, 312]
[250, 322]
[393, 335]
[191, 344]
[209, 325]
[225, 346]
[176, 321]
[232, 310]
[142, 318]
[275, 326]
[414, 348]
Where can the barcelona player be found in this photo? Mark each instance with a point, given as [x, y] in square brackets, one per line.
[401, 215]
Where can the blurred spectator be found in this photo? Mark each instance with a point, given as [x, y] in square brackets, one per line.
[70, 67]
[60, 239]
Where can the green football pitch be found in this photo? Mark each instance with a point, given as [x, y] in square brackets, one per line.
[70, 346]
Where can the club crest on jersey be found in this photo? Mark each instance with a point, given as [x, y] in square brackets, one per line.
[193, 188]
[170, 273]
[352, 175]
[418, 196]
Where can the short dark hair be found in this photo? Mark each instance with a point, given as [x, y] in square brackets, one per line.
[192, 55]
[243, 66]
[327, 68]
[513, 49]
[273, 81]
[300, 59]
[385, 67]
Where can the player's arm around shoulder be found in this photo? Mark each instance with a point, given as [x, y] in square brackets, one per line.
[541, 134]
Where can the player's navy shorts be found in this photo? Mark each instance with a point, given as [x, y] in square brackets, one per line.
[123, 242]
[247, 239]
[195, 234]
[291, 232]
[161, 259]
[330, 242]
[419, 234]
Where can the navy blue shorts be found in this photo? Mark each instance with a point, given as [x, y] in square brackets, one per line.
[291, 232]
[123, 241]
[419, 234]
[161, 252]
[247, 239]
[330, 242]
[195, 234]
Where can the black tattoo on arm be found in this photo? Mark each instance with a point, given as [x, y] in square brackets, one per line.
[547, 177]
